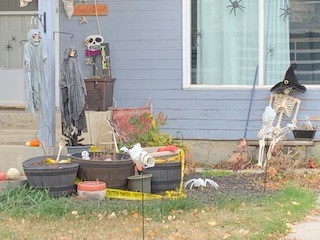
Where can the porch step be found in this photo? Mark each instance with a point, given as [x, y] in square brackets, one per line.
[17, 127]
[19, 119]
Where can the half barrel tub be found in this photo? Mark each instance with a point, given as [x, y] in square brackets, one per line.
[114, 173]
[58, 179]
[165, 176]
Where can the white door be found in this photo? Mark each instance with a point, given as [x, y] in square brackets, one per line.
[15, 23]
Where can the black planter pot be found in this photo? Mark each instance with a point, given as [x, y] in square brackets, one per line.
[165, 176]
[304, 134]
[58, 179]
[77, 149]
[114, 173]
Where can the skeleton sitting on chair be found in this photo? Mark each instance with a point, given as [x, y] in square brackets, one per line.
[281, 104]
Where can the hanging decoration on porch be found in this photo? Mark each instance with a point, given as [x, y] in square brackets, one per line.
[234, 6]
[68, 8]
[37, 90]
[73, 92]
[281, 104]
[93, 44]
[24, 3]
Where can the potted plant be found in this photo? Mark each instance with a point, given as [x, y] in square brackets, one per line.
[306, 131]
[55, 173]
[167, 174]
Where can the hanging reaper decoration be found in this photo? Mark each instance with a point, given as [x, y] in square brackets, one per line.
[35, 57]
[36, 82]
[73, 92]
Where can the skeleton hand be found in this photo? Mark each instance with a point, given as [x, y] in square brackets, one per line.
[27, 65]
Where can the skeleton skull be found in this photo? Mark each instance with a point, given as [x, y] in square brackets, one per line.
[93, 42]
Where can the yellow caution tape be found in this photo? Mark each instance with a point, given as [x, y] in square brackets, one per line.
[130, 195]
[138, 196]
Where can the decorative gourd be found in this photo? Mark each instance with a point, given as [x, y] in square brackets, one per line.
[13, 174]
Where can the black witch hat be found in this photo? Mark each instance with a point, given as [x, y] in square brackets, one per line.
[290, 81]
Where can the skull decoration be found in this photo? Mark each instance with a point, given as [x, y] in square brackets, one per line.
[93, 42]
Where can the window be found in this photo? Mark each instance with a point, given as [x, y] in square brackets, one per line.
[229, 39]
[15, 23]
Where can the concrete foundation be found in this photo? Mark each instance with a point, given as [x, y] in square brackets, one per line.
[17, 127]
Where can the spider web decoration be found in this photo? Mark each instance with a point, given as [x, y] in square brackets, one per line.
[234, 6]
[271, 51]
[8, 46]
[286, 11]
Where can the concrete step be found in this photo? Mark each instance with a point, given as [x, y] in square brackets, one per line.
[15, 155]
[19, 119]
[17, 127]
[21, 136]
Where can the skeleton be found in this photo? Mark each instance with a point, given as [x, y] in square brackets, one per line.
[280, 105]
[93, 42]
[200, 183]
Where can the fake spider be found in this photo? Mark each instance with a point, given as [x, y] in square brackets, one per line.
[8, 46]
[200, 183]
[234, 5]
[13, 39]
[271, 51]
[286, 11]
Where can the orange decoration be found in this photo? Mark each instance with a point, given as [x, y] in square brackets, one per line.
[33, 143]
[89, 10]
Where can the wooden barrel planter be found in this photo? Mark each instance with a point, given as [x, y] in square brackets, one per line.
[58, 179]
[165, 176]
[113, 171]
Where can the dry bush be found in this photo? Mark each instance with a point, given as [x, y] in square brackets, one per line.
[283, 163]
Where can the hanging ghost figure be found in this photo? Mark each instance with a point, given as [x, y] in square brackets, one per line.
[72, 92]
[68, 8]
[36, 83]
[35, 57]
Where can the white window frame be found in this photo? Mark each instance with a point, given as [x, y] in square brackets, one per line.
[186, 53]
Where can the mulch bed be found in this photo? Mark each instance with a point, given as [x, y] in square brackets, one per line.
[243, 185]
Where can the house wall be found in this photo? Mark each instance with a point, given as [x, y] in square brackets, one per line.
[145, 40]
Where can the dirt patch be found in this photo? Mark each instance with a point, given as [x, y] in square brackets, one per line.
[238, 185]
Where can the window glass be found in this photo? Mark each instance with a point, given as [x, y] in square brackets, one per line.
[15, 23]
[305, 39]
[225, 41]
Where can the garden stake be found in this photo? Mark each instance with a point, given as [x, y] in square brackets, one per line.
[251, 100]
[265, 177]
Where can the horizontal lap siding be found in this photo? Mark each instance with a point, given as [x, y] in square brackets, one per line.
[145, 40]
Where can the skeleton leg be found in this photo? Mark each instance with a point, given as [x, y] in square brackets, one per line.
[262, 144]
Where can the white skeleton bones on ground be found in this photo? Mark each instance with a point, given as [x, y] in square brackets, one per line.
[280, 105]
[200, 183]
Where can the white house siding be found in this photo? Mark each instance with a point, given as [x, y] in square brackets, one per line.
[145, 40]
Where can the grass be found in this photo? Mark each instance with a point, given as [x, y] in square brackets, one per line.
[266, 217]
